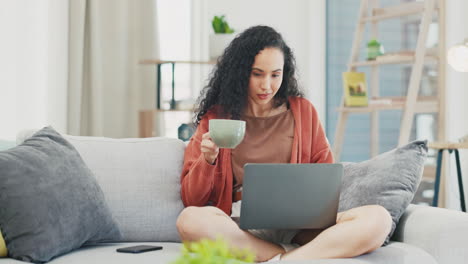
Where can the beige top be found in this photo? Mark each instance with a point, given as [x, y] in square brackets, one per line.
[266, 140]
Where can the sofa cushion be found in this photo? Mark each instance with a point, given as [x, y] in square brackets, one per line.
[394, 253]
[389, 179]
[140, 179]
[50, 200]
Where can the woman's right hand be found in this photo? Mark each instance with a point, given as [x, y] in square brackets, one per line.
[209, 148]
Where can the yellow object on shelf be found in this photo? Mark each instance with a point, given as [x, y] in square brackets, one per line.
[355, 91]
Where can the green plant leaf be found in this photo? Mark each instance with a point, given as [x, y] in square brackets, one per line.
[216, 251]
[217, 24]
[220, 25]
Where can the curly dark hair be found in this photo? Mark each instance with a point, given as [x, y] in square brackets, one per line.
[229, 80]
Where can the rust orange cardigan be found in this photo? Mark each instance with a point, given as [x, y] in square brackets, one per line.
[205, 184]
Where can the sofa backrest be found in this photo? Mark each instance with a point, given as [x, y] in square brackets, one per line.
[140, 178]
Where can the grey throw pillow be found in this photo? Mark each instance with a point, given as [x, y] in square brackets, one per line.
[389, 179]
[50, 202]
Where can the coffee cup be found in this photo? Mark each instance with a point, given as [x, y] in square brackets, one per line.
[227, 133]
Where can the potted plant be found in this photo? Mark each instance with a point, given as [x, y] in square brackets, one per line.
[212, 252]
[223, 35]
[374, 49]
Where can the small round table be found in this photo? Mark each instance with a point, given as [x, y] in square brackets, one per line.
[450, 147]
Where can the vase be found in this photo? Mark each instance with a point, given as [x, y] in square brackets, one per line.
[218, 42]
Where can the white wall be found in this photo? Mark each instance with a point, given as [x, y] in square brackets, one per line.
[57, 67]
[7, 69]
[457, 95]
[302, 24]
[33, 66]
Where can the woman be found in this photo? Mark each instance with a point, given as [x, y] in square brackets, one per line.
[255, 81]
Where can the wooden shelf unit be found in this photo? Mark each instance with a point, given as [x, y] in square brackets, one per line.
[404, 9]
[397, 60]
[412, 103]
[429, 105]
[147, 118]
[158, 64]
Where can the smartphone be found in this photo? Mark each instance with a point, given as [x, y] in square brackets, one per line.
[138, 249]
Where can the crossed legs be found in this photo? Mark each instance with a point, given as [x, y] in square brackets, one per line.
[357, 231]
[195, 223]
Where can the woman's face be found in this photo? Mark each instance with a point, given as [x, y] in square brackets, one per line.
[266, 76]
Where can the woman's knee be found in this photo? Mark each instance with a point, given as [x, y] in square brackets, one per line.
[378, 222]
[187, 221]
[381, 218]
[375, 222]
[192, 221]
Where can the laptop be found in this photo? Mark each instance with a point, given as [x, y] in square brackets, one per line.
[290, 196]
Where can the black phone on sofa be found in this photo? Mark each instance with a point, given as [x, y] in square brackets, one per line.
[138, 249]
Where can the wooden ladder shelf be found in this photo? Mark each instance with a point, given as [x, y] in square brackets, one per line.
[410, 104]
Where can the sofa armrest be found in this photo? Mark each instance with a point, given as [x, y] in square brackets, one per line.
[441, 232]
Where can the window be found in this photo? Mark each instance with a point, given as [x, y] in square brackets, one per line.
[174, 44]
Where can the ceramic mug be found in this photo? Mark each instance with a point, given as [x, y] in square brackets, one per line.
[227, 133]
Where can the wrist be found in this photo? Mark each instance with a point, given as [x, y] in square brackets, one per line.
[210, 160]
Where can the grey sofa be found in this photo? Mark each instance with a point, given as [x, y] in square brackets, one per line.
[140, 180]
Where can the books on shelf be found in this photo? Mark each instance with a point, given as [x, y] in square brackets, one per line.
[355, 89]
